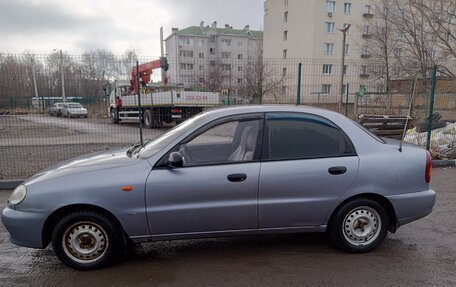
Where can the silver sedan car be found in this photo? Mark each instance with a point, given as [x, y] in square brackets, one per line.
[73, 110]
[226, 172]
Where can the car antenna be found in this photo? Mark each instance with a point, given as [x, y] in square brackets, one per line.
[412, 97]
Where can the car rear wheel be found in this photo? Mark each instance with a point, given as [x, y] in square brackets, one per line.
[359, 226]
[86, 240]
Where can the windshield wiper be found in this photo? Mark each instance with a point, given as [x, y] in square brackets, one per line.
[133, 148]
[137, 148]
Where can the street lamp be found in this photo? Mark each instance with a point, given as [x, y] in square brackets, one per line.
[62, 75]
[344, 32]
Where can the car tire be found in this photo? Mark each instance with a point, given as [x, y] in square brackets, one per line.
[86, 240]
[148, 119]
[114, 116]
[360, 225]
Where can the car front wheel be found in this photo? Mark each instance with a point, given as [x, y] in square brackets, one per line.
[86, 240]
[359, 226]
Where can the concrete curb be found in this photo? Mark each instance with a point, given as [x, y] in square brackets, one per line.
[10, 184]
[13, 183]
[444, 163]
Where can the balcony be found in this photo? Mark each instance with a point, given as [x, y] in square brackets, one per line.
[366, 56]
[364, 75]
[367, 35]
[368, 15]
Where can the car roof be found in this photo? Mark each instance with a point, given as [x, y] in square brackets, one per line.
[235, 110]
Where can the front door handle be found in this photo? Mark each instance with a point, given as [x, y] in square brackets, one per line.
[337, 170]
[237, 177]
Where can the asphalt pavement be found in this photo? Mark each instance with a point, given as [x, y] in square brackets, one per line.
[422, 253]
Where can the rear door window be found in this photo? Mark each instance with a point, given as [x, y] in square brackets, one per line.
[304, 136]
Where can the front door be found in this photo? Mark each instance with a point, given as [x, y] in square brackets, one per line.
[216, 189]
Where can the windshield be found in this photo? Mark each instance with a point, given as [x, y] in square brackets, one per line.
[74, 106]
[162, 141]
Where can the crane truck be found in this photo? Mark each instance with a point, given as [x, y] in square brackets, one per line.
[158, 103]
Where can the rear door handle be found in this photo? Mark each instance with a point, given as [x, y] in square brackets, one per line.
[337, 170]
[237, 177]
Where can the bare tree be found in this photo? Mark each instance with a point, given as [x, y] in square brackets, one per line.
[260, 81]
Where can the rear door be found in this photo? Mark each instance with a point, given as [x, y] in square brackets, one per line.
[308, 164]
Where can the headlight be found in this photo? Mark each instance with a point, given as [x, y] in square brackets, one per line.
[18, 195]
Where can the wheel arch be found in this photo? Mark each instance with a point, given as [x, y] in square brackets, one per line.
[383, 201]
[55, 216]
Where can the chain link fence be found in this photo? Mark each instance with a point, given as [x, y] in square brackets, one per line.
[55, 107]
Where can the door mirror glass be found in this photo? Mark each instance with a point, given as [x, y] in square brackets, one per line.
[175, 159]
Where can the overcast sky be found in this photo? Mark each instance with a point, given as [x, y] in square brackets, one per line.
[76, 26]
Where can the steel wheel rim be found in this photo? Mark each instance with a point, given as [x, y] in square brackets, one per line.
[85, 242]
[362, 226]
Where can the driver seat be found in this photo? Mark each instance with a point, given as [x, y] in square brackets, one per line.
[246, 148]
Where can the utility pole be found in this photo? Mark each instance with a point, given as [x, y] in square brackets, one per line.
[342, 74]
[162, 56]
[62, 75]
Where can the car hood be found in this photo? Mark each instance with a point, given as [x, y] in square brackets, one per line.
[86, 163]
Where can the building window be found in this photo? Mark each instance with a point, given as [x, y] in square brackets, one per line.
[344, 89]
[240, 56]
[212, 39]
[226, 42]
[364, 70]
[240, 44]
[285, 35]
[186, 54]
[186, 41]
[347, 8]
[285, 3]
[239, 80]
[285, 53]
[186, 67]
[327, 69]
[398, 52]
[285, 17]
[212, 63]
[326, 89]
[239, 68]
[329, 48]
[212, 50]
[345, 69]
[201, 80]
[201, 68]
[347, 49]
[226, 67]
[399, 34]
[349, 29]
[365, 50]
[200, 44]
[330, 27]
[201, 55]
[284, 72]
[366, 30]
[226, 55]
[331, 6]
[397, 72]
[381, 88]
[367, 9]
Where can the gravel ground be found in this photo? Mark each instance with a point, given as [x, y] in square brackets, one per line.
[29, 143]
[422, 253]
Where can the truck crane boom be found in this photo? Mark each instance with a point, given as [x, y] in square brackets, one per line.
[145, 71]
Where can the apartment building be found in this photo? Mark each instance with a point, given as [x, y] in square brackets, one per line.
[197, 53]
[309, 32]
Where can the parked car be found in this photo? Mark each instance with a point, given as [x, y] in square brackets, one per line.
[225, 172]
[74, 110]
[56, 109]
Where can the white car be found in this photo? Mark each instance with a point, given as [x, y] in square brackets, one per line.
[74, 110]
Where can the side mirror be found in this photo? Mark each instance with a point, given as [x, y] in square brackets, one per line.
[175, 159]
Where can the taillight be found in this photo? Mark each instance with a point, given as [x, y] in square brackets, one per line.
[176, 111]
[428, 173]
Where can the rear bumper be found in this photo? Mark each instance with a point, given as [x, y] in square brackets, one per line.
[25, 228]
[412, 206]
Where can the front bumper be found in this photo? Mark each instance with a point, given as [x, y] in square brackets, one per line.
[412, 206]
[25, 228]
